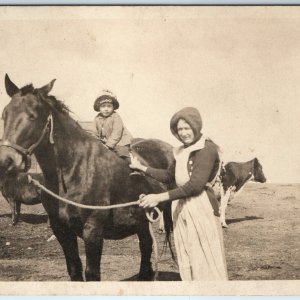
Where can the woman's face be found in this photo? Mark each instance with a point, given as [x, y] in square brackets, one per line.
[185, 132]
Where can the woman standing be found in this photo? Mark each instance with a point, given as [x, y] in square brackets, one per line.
[197, 229]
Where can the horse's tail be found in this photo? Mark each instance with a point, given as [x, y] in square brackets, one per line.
[168, 224]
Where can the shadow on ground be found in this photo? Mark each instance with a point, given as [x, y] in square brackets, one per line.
[247, 218]
[29, 218]
[162, 276]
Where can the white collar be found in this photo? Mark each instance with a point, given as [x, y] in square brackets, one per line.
[197, 146]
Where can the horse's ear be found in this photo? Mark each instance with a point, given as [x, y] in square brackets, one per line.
[47, 88]
[255, 161]
[10, 87]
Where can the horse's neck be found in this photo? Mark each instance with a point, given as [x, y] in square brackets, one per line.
[46, 160]
[69, 139]
[52, 158]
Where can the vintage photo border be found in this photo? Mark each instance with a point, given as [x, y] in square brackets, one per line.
[236, 288]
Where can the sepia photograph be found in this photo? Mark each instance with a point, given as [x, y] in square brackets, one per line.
[152, 148]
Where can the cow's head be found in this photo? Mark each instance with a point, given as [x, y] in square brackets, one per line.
[258, 171]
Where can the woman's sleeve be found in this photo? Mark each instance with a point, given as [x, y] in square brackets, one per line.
[163, 175]
[117, 132]
[202, 168]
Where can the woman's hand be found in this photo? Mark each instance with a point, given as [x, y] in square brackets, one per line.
[149, 201]
[153, 200]
[136, 164]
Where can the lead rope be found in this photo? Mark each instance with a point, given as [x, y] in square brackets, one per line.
[149, 214]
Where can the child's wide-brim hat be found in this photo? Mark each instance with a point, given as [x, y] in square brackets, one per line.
[108, 97]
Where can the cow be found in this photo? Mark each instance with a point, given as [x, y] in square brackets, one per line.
[233, 177]
[16, 189]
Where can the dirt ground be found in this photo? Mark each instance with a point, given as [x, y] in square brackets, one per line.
[262, 242]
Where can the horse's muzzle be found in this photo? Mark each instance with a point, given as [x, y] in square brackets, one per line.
[11, 161]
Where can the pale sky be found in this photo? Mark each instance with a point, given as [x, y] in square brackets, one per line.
[240, 66]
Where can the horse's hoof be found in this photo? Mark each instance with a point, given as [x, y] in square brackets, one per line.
[76, 278]
[147, 276]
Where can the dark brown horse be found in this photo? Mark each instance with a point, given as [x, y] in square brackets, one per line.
[76, 166]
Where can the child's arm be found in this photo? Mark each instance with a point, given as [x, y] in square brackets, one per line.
[117, 132]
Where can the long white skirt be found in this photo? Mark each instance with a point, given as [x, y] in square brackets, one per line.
[198, 240]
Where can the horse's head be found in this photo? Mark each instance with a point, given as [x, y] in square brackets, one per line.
[26, 119]
[258, 171]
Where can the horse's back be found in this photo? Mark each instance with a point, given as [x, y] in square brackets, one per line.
[157, 153]
[126, 221]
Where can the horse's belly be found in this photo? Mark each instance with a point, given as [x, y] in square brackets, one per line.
[119, 232]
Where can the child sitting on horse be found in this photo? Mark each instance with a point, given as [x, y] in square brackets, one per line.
[109, 125]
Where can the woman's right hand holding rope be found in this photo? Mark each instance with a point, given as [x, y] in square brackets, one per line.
[150, 201]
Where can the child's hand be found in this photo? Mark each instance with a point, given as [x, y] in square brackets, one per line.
[136, 164]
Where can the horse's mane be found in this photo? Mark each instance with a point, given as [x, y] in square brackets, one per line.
[54, 103]
[58, 105]
[27, 89]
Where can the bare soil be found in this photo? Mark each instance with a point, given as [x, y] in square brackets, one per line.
[262, 242]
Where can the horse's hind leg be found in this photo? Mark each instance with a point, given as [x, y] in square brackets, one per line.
[93, 241]
[146, 271]
[68, 242]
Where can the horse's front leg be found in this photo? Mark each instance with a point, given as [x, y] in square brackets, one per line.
[93, 241]
[146, 271]
[13, 207]
[68, 242]
[18, 210]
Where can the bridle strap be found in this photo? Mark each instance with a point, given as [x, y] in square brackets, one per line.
[26, 153]
[20, 149]
[49, 121]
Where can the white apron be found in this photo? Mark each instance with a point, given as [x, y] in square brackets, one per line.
[197, 231]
